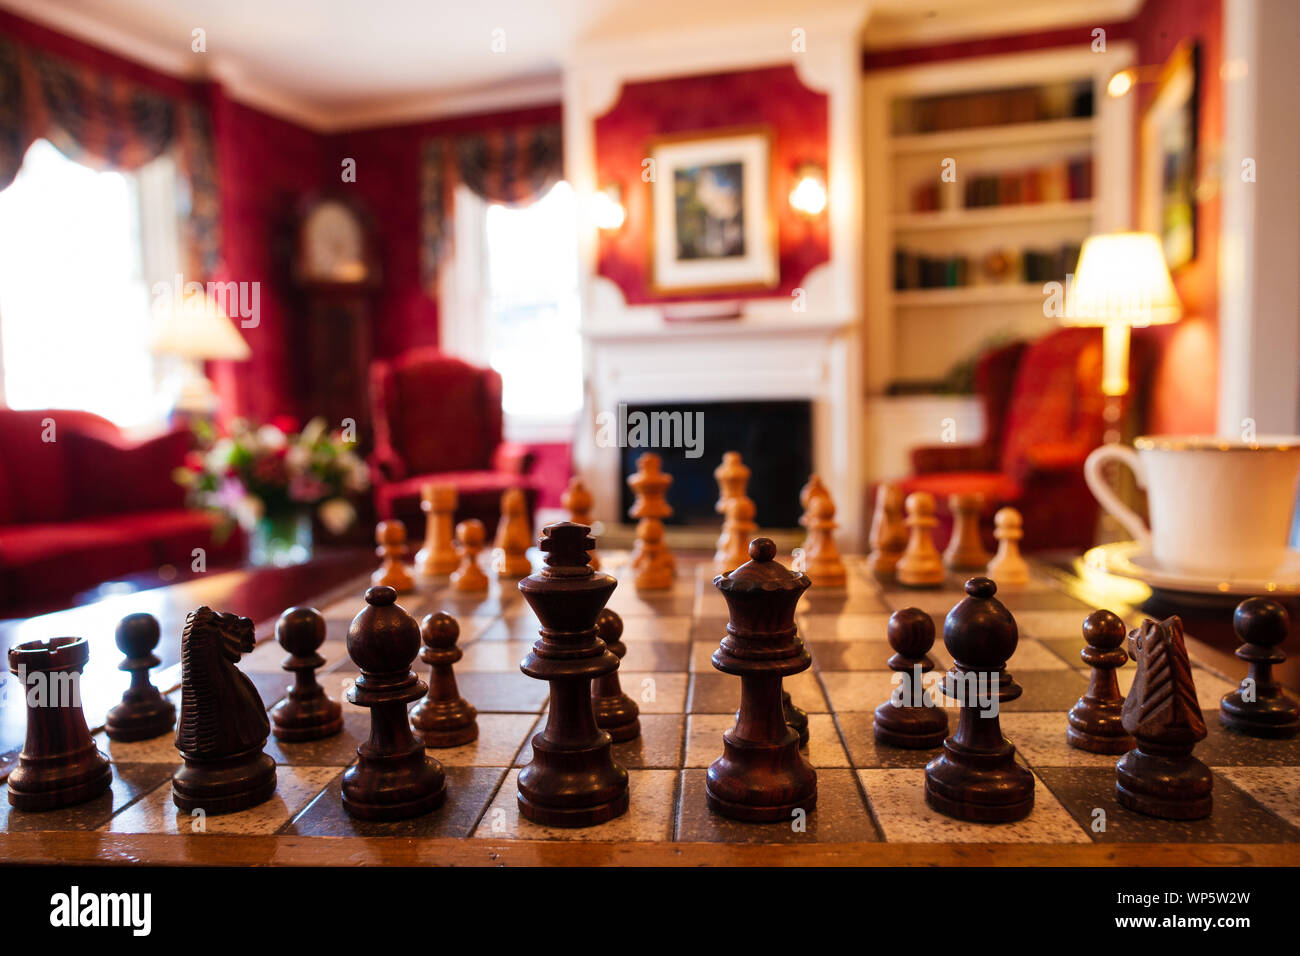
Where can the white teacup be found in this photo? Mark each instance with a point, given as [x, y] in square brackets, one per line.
[1217, 507]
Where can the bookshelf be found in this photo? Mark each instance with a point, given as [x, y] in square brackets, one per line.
[960, 248]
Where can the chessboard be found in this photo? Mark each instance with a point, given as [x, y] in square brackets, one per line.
[871, 808]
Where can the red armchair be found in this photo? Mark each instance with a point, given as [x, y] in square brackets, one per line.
[438, 419]
[82, 505]
[1043, 411]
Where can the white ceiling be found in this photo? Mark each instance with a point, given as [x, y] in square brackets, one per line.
[338, 62]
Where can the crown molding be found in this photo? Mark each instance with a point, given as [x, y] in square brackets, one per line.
[887, 30]
[317, 116]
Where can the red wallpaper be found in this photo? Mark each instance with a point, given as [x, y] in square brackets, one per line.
[797, 117]
[1184, 396]
[388, 182]
[267, 165]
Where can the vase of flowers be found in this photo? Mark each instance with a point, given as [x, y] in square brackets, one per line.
[270, 479]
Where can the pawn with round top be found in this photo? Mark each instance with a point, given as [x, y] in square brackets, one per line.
[307, 713]
[616, 713]
[390, 537]
[143, 712]
[1007, 567]
[921, 565]
[1096, 721]
[976, 777]
[443, 718]
[393, 778]
[469, 577]
[577, 501]
[1259, 707]
[911, 718]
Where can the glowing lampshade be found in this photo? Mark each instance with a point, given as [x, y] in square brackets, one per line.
[1121, 281]
[197, 328]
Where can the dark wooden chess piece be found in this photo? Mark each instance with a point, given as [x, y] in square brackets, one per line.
[976, 777]
[1258, 707]
[1096, 721]
[911, 718]
[143, 712]
[572, 780]
[1160, 777]
[761, 775]
[223, 724]
[795, 716]
[307, 713]
[616, 713]
[393, 778]
[59, 765]
[443, 718]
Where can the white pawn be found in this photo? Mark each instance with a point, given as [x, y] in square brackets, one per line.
[1007, 567]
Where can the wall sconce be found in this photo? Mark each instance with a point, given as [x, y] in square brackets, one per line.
[809, 193]
[1120, 83]
[607, 208]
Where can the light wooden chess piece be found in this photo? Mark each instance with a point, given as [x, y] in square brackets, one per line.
[1007, 567]
[468, 576]
[807, 493]
[390, 536]
[732, 477]
[438, 556]
[652, 563]
[577, 501]
[738, 529]
[514, 535]
[888, 536]
[965, 551]
[921, 565]
[822, 561]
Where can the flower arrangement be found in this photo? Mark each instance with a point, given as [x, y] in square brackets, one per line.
[268, 472]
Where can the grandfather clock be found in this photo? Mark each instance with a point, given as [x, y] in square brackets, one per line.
[337, 278]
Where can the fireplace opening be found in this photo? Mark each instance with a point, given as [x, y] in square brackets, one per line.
[773, 437]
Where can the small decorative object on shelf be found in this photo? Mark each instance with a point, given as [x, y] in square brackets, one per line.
[269, 479]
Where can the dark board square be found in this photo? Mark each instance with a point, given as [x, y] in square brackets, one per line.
[469, 790]
[840, 816]
[1236, 818]
[336, 751]
[859, 738]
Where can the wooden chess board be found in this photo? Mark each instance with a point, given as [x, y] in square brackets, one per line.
[870, 809]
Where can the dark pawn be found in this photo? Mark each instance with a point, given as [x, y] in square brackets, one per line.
[307, 713]
[761, 776]
[443, 718]
[223, 725]
[911, 718]
[393, 778]
[144, 712]
[616, 713]
[795, 716]
[976, 777]
[59, 765]
[572, 780]
[1160, 777]
[1258, 707]
[1097, 718]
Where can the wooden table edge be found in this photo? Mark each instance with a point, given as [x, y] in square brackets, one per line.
[215, 849]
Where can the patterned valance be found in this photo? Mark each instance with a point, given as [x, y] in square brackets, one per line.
[514, 165]
[109, 122]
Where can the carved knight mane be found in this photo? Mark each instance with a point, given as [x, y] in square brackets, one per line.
[221, 710]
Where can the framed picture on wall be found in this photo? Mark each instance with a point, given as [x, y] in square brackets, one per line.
[712, 226]
[1169, 157]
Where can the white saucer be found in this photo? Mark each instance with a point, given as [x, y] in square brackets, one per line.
[1128, 559]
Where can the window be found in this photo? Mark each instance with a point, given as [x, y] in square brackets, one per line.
[512, 303]
[77, 250]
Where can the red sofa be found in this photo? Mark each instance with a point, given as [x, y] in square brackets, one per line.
[1043, 410]
[91, 506]
[438, 419]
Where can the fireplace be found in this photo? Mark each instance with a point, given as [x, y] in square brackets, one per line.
[773, 437]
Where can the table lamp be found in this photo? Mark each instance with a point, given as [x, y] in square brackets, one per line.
[196, 329]
[1121, 282]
